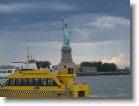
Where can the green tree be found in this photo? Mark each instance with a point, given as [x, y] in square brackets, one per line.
[42, 64]
[98, 65]
[109, 67]
[101, 67]
[85, 64]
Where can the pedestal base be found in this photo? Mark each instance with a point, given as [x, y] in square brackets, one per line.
[66, 59]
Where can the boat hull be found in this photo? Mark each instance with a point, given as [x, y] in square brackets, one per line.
[32, 93]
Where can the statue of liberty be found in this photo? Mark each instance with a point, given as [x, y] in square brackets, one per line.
[66, 33]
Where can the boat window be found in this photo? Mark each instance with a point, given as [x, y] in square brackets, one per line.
[5, 71]
[18, 82]
[37, 82]
[70, 70]
[9, 71]
[30, 82]
[32, 61]
[24, 82]
[51, 82]
[11, 82]
[43, 82]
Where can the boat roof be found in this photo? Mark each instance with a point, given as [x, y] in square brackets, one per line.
[32, 74]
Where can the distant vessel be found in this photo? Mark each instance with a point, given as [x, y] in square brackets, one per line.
[29, 63]
[6, 70]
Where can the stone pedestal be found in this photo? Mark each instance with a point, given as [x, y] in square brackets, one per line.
[66, 58]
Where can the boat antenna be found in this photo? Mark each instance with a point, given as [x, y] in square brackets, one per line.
[28, 53]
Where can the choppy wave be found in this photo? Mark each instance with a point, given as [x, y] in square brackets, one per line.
[106, 96]
[98, 96]
[108, 86]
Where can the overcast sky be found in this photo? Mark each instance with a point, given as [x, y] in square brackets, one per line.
[100, 30]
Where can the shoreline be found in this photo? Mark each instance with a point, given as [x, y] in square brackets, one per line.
[101, 73]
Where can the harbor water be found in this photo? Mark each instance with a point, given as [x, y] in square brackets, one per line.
[108, 86]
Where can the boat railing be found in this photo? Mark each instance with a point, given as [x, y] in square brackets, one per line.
[9, 67]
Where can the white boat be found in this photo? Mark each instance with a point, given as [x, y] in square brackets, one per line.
[29, 64]
[5, 71]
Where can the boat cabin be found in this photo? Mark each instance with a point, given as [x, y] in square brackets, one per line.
[44, 83]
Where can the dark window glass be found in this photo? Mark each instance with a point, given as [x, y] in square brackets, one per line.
[18, 82]
[9, 71]
[24, 82]
[30, 82]
[80, 69]
[4, 71]
[37, 82]
[43, 82]
[54, 83]
[12, 82]
[50, 82]
[70, 70]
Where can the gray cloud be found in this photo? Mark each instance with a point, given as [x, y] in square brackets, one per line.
[21, 7]
[14, 7]
[93, 29]
[97, 33]
[109, 22]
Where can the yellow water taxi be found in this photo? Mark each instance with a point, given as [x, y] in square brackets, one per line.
[43, 83]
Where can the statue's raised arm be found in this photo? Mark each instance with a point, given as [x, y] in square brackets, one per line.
[62, 21]
[66, 33]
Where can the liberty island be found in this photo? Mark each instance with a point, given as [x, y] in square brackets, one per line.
[66, 54]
